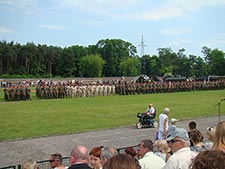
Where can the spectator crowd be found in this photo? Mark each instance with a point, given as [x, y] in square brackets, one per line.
[172, 148]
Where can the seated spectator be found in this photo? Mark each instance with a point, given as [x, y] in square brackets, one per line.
[148, 160]
[196, 140]
[79, 158]
[193, 126]
[131, 152]
[107, 153]
[209, 159]
[56, 161]
[219, 140]
[161, 149]
[151, 111]
[94, 158]
[30, 165]
[179, 143]
[120, 161]
[210, 134]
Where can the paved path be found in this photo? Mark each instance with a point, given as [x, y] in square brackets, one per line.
[16, 152]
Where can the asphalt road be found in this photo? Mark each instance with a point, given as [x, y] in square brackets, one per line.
[19, 151]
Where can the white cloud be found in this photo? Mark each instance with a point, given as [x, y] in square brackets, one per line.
[90, 4]
[26, 6]
[174, 31]
[176, 8]
[53, 27]
[5, 30]
[92, 22]
[216, 41]
[141, 9]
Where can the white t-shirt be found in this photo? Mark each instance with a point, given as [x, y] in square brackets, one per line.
[151, 161]
[150, 111]
[162, 118]
[181, 159]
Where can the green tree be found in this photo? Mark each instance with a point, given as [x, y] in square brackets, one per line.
[150, 65]
[65, 63]
[182, 66]
[198, 66]
[168, 60]
[40, 63]
[78, 53]
[92, 66]
[114, 51]
[130, 67]
[215, 60]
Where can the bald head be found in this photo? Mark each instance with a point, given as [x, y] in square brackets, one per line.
[79, 154]
[166, 110]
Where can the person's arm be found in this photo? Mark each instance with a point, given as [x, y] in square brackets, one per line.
[164, 127]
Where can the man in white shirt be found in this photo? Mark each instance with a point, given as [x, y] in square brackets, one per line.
[163, 124]
[150, 110]
[182, 156]
[148, 114]
[149, 160]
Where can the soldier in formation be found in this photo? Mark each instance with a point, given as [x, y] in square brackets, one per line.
[17, 93]
[131, 88]
[74, 91]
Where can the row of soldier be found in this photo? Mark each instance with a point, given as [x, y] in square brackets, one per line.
[55, 91]
[129, 88]
[17, 93]
[63, 91]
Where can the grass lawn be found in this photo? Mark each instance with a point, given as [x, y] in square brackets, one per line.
[26, 119]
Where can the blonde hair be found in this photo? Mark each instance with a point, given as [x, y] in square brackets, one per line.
[161, 146]
[219, 139]
[30, 165]
[210, 133]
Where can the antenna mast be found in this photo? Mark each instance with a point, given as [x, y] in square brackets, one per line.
[142, 46]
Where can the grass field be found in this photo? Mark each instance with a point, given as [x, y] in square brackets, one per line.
[27, 119]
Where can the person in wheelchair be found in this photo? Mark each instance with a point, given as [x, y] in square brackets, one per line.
[149, 114]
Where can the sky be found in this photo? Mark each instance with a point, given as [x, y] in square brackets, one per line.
[188, 24]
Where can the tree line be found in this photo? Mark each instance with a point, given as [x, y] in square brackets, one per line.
[107, 58]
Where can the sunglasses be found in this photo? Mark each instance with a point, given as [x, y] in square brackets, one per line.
[210, 128]
[173, 141]
[51, 161]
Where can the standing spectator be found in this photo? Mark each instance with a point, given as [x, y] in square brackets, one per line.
[79, 158]
[107, 153]
[56, 161]
[219, 140]
[163, 124]
[210, 134]
[179, 143]
[172, 126]
[30, 165]
[120, 161]
[209, 159]
[94, 156]
[161, 149]
[196, 140]
[148, 160]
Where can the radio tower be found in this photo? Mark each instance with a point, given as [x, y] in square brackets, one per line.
[142, 46]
